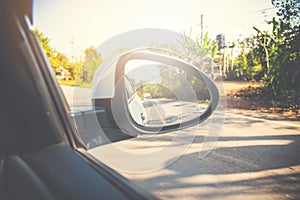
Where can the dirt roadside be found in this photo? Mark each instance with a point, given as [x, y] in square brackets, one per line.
[235, 101]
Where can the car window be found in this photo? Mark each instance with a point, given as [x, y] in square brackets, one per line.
[244, 146]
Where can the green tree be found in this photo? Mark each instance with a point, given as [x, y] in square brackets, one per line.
[242, 64]
[57, 59]
[50, 52]
[280, 53]
[92, 61]
[247, 64]
[45, 42]
[200, 51]
[284, 79]
[183, 85]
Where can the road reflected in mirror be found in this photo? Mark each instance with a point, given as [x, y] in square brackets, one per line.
[160, 94]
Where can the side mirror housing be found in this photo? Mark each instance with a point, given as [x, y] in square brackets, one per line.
[152, 93]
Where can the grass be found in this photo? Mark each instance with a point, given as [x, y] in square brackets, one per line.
[70, 83]
[76, 83]
[207, 101]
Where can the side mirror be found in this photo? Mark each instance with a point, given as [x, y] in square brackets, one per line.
[154, 93]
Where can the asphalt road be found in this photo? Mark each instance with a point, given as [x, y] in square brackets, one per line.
[254, 156]
[166, 111]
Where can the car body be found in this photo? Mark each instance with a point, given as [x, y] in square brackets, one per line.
[135, 104]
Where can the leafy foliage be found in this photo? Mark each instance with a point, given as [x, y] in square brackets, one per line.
[50, 52]
[247, 65]
[82, 71]
[57, 59]
[199, 51]
[284, 75]
[92, 61]
[277, 55]
[183, 85]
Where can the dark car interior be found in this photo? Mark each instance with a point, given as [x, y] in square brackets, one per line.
[41, 155]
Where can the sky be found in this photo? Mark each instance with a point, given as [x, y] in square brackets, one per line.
[73, 25]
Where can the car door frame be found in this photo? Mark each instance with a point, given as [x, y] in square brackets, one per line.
[46, 88]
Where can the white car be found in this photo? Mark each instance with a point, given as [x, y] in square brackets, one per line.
[135, 104]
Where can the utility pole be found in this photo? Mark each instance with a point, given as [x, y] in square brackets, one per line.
[264, 45]
[225, 60]
[232, 58]
[201, 24]
[72, 43]
[267, 54]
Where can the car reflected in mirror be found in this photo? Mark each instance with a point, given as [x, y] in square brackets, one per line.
[135, 103]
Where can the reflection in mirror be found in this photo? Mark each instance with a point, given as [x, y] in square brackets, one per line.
[160, 94]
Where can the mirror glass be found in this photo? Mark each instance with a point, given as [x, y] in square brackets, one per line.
[159, 94]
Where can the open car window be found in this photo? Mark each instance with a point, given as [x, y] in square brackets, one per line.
[189, 99]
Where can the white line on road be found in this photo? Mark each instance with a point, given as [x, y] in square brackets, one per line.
[264, 120]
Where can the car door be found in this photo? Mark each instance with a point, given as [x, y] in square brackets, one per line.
[42, 156]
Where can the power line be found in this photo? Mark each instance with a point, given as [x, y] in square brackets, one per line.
[251, 13]
[261, 10]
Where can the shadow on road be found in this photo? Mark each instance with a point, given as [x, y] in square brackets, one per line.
[255, 165]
